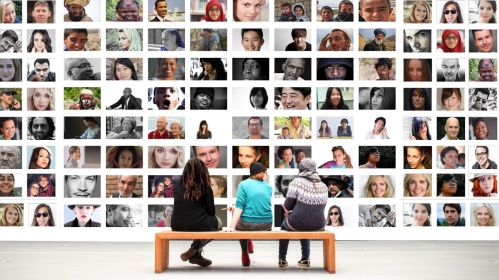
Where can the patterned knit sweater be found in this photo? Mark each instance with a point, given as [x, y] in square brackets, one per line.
[306, 203]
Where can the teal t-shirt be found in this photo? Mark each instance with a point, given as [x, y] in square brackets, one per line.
[253, 197]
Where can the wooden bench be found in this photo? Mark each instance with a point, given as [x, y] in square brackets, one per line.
[162, 243]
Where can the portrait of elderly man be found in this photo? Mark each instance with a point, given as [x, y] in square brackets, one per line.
[10, 157]
[417, 40]
[85, 101]
[76, 11]
[293, 69]
[42, 72]
[336, 40]
[449, 71]
[161, 10]
[7, 100]
[161, 132]
[126, 185]
[124, 215]
[80, 69]
[202, 99]
[41, 13]
[483, 39]
[378, 43]
[41, 128]
[486, 71]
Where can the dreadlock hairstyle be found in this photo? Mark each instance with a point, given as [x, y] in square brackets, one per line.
[195, 177]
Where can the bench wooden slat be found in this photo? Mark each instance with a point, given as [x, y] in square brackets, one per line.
[162, 242]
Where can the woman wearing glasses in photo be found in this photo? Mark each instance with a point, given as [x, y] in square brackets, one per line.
[43, 216]
[451, 13]
[447, 185]
[334, 217]
[451, 42]
[214, 12]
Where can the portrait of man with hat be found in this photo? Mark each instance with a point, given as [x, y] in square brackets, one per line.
[76, 11]
[9, 103]
[337, 186]
[377, 44]
[202, 99]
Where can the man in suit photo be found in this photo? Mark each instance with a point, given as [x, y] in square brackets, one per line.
[127, 101]
[126, 185]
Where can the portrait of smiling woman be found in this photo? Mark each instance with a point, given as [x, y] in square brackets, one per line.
[12, 215]
[166, 69]
[10, 70]
[417, 185]
[124, 69]
[420, 12]
[41, 158]
[43, 216]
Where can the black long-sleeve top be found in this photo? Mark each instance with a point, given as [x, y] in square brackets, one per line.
[191, 215]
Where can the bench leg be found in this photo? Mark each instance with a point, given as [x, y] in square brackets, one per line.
[162, 254]
[329, 255]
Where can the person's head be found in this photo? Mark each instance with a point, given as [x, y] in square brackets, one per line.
[166, 156]
[324, 126]
[379, 124]
[128, 10]
[378, 186]
[41, 99]
[74, 152]
[10, 157]
[258, 171]
[418, 39]
[214, 11]
[195, 178]
[375, 10]
[484, 185]
[176, 128]
[482, 155]
[7, 96]
[124, 157]
[420, 100]
[8, 126]
[339, 40]
[345, 6]
[415, 156]
[76, 9]
[129, 39]
[480, 129]
[42, 128]
[451, 41]
[452, 212]
[461, 158]
[451, 13]
[6, 184]
[334, 216]
[120, 215]
[421, 213]
[379, 35]
[327, 13]
[255, 125]
[80, 186]
[376, 96]
[203, 97]
[341, 157]
[383, 67]
[372, 155]
[451, 99]
[286, 8]
[42, 69]
[258, 97]
[486, 11]
[89, 121]
[33, 189]
[299, 36]
[420, 129]
[334, 99]
[483, 39]
[128, 124]
[12, 215]
[451, 128]
[167, 98]
[41, 12]
[126, 184]
[8, 39]
[246, 155]
[203, 126]
[380, 212]
[219, 186]
[486, 70]
[246, 10]
[161, 8]
[417, 70]
[79, 69]
[295, 98]
[124, 69]
[484, 215]
[211, 156]
[10, 70]
[41, 158]
[255, 69]
[448, 157]
[450, 69]
[417, 185]
[75, 39]
[7, 12]
[299, 154]
[216, 66]
[285, 153]
[299, 10]
[420, 12]
[44, 181]
[293, 68]
[252, 39]
[344, 123]
[335, 69]
[42, 216]
[285, 131]
[447, 185]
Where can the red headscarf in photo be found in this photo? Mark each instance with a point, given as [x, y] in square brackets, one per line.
[458, 47]
[210, 4]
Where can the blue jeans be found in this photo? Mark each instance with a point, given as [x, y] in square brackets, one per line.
[283, 246]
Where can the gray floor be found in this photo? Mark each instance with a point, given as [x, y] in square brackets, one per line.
[354, 260]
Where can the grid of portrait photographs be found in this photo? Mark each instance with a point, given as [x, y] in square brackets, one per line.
[139, 87]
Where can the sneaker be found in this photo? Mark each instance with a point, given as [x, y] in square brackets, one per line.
[250, 247]
[200, 260]
[245, 259]
[283, 263]
[304, 263]
[188, 254]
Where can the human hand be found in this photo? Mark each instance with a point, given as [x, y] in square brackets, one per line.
[230, 229]
[231, 208]
[16, 104]
[390, 218]
[323, 44]
[18, 46]
[412, 137]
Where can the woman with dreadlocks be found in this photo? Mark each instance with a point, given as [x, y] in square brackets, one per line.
[194, 208]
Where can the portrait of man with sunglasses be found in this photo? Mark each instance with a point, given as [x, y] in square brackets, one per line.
[80, 69]
[479, 98]
[8, 100]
